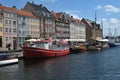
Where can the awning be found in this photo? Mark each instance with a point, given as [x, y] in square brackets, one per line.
[30, 40]
[81, 40]
[103, 40]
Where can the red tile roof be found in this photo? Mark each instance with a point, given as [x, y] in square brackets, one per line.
[8, 8]
[25, 13]
[19, 12]
[76, 20]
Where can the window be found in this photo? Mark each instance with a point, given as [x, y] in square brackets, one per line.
[10, 38]
[6, 29]
[14, 23]
[14, 15]
[6, 38]
[0, 29]
[0, 20]
[14, 31]
[6, 21]
[9, 30]
[9, 22]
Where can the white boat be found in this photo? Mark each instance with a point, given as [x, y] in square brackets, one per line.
[8, 61]
[5, 59]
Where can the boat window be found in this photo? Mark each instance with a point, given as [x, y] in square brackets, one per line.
[46, 42]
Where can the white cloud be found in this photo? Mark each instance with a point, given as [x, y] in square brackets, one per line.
[75, 16]
[111, 8]
[99, 7]
[104, 20]
[114, 21]
[73, 13]
[110, 24]
[48, 0]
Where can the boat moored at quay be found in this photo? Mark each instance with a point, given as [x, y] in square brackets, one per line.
[5, 59]
[45, 48]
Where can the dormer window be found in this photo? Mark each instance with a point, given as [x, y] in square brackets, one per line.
[38, 11]
[47, 14]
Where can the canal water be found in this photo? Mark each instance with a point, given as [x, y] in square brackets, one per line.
[95, 65]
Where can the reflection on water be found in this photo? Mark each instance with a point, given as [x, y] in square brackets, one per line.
[102, 65]
[9, 72]
[46, 69]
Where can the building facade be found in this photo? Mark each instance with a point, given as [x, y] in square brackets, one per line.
[93, 30]
[77, 30]
[36, 21]
[1, 28]
[47, 22]
[62, 25]
[9, 26]
[28, 26]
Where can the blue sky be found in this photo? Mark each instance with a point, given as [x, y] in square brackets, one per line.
[106, 10]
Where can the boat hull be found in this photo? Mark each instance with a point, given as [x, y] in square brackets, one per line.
[112, 45]
[77, 49]
[8, 61]
[38, 53]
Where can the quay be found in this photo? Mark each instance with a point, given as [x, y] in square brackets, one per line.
[13, 53]
[82, 48]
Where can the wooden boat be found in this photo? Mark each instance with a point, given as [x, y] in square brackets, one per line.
[77, 48]
[45, 49]
[93, 48]
[6, 60]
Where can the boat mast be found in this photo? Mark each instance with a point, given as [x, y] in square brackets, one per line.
[102, 27]
[95, 26]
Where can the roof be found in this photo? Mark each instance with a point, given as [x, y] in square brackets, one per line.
[25, 13]
[61, 16]
[39, 9]
[19, 12]
[8, 8]
[76, 20]
[86, 22]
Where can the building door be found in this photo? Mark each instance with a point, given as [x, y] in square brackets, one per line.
[0, 41]
[14, 43]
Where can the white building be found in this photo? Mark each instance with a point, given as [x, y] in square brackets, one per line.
[77, 30]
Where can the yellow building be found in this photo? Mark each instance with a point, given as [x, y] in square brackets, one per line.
[1, 28]
[28, 26]
[34, 28]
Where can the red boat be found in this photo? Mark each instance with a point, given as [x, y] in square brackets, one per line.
[45, 49]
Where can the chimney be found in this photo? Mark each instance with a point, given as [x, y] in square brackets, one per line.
[14, 7]
[71, 16]
[41, 5]
[32, 2]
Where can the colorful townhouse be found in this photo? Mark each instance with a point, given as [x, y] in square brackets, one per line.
[62, 25]
[9, 26]
[1, 28]
[93, 30]
[28, 26]
[36, 21]
[77, 30]
[46, 20]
